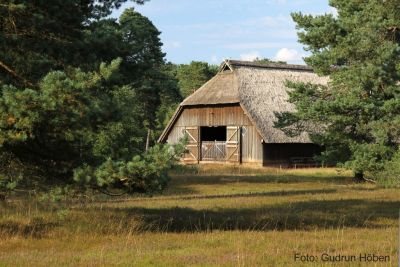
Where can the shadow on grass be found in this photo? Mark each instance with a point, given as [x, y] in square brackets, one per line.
[182, 185]
[176, 188]
[36, 228]
[301, 216]
[193, 195]
[252, 194]
[306, 215]
[261, 179]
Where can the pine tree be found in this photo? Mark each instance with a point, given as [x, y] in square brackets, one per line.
[357, 117]
[192, 76]
[78, 93]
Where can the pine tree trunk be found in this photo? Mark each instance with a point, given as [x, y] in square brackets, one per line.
[359, 177]
[148, 139]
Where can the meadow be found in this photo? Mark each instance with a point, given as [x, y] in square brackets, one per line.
[210, 216]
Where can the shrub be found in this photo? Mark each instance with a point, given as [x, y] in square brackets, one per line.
[390, 176]
[143, 173]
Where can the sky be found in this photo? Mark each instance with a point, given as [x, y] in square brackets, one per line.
[214, 30]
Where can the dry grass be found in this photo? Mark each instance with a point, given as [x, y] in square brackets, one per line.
[210, 216]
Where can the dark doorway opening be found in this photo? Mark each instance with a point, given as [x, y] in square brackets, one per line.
[213, 133]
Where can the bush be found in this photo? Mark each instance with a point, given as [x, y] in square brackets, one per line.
[390, 176]
[143, 173]
[11, 174]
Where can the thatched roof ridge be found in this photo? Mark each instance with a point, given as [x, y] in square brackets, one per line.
[270, 65]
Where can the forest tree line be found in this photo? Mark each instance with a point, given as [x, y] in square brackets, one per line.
[82, 95]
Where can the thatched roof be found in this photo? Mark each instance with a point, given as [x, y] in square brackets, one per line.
[221, 89]
[262, 93]
[259, 89]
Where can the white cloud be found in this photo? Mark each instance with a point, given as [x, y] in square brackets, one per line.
[214, 59]
[176, 44]
[289, 55]
[250, 56]
[172, 44]
[333, 11]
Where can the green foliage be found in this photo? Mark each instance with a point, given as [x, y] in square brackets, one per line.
[11, 174]
[357, 117]
[267, 60]
[61, 114]
[135, 40]
[37, 36]
[390, 176]
[147, 173]
[56, 194]
[8, 183]
[192, 76]
[170, 98]
[78, 93]
[78, 118]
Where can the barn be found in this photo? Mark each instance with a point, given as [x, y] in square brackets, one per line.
[231, 117]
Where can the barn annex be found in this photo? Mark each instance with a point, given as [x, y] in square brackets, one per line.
[231, 117]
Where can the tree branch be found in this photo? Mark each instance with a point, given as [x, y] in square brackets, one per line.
[16, 75]
[106, 192]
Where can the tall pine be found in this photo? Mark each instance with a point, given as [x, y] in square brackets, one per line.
[79, 92]
[357, 117]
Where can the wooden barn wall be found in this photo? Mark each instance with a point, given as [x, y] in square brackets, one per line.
[252, 148]
[213, 116]
[232, 115]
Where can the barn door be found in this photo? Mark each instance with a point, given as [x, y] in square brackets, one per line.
[233, 143]
[192, 147]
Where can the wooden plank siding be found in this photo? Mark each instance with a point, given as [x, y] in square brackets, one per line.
[229, 115]
[221, 115]
[252, 147]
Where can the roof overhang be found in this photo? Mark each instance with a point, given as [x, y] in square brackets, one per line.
[170, 124]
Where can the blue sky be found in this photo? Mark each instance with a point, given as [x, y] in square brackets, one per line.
[214, 30]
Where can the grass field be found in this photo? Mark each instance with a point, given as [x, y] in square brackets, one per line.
[212, 216]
